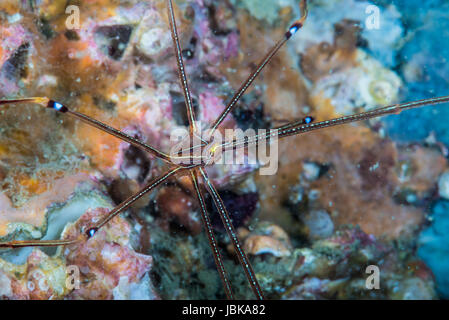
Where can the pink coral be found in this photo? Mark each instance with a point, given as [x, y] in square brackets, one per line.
[12, 39]
[42, 277]
[211, 107]
[104, 259]
[107, 266]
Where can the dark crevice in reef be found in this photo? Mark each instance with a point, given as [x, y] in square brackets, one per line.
[136, 164]
[189, 51]
[179, 112]
[15, 67]
[44, 27]
[251, 116]
[240, 207]
[72, 35]
[214, 25]
[103, 103]
[113, 40]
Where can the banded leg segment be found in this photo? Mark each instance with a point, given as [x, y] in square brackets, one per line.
[91, 231]
[379, 112]
[211, 237]
[48, 103]
[306, 120]
[294, 128]
[128, 202]
[37, 243]
[291, 31]
[224, 215]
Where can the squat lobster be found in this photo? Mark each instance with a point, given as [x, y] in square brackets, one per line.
[194, 165]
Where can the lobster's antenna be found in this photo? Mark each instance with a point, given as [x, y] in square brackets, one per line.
[295, 128]
[211, 237]
[226, 219]
[298, 24]
[51, 104]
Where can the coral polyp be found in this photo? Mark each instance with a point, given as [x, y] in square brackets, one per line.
[132, 134]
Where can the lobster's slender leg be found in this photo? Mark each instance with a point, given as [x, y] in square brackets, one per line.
[379, 112]
[224, 215]
[291, 31]
[48, 103]
[295, 128]
[91, 231]
[181, 68]
[37, 243]
[210, 235]
[128, 202]
[306, 120]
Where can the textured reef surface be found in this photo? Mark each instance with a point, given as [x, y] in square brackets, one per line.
[343, 200]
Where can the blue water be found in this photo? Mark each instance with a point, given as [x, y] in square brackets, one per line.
[426, 26]
[434, 246]
[427, 31]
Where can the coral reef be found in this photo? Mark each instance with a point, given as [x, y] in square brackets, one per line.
[112, 267]
[342, 199]
[336, 267]
[425, 70]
